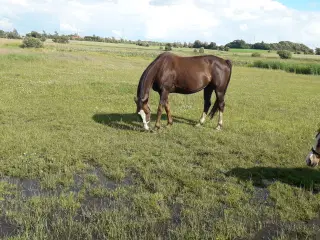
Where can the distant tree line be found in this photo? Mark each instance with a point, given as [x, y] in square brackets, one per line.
[282, 45]
[55, 37]
[297, 48]
[34, 34]
[10, 35]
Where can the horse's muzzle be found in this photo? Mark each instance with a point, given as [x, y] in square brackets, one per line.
[312, 160]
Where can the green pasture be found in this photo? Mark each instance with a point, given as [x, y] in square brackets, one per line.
[75, 163]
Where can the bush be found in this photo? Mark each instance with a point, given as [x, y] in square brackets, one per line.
[161, 48]
[284, 54]
[195, 50]
[201, 50]
[61, 39]
[43, 39]
[29, 42]
[226, 48]
[298, 68]
[168, 47]
[255, 54]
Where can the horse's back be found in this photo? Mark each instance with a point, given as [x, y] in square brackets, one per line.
[190, 74]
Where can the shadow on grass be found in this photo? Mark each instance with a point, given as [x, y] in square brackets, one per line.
[307, 178]
[132, 121]
[8, 228]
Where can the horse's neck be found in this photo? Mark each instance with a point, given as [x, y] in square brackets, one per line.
[147, 79]
[146, 87]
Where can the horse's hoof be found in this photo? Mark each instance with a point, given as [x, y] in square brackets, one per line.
[169, 125]
[219, 128]
[154, 131]
[157, 128]
[198, 125]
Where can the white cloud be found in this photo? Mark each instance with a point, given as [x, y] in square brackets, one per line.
[19, 2]
[243, 27]
[5, 24]
[117, 33]
[173, 20]
[165, 22]
[65, 27]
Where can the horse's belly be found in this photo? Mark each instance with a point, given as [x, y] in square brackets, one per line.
[190, 86]
[186, 90]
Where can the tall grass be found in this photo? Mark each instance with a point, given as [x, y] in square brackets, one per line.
[298, 68]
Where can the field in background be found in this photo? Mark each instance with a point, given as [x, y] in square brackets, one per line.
[75, 164]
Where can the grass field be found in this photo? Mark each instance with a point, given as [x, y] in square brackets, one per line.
[75, 164]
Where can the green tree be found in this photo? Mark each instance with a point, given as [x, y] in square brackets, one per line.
[238, 44]
[3, 34]
[34, 34]
[197, 44]
[262, 45]
[212, 45]
[317, 51]
[13, 35]
[61, 39]
[168, 47]
[221, 48]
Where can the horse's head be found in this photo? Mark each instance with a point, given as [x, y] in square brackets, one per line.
[144, 111]
[313, 157]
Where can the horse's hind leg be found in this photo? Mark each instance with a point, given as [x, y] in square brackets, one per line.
[220, 99]
[207, 93]
[169, 116]
[163, 103]
[218, 105]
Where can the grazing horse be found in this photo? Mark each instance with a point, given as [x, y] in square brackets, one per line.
[313, 157]
[170, 73]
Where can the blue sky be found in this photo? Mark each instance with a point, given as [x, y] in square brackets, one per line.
[302, 5]
[170, 20]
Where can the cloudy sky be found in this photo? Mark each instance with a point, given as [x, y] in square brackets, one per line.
[220, 21]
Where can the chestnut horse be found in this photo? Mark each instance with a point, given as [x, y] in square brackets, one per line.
[170, 73]
[313, 157]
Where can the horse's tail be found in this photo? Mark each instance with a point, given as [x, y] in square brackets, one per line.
[230, 66]
[216, 104]
[229, 63]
